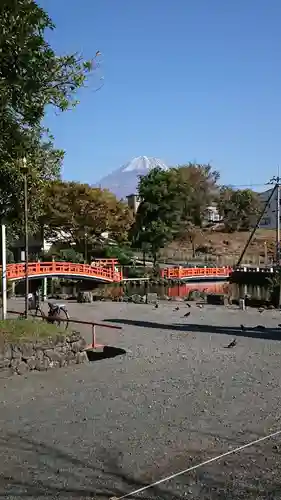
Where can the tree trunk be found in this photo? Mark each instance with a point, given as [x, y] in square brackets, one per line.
[193, 250]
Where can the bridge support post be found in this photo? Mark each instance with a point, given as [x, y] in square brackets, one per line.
[13, 292]
[45, 292]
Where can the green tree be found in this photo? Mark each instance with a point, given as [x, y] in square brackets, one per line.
[173, 205]
[44, 164]
[156, 215]
[79, 214]
[238, 208]
[32, 77]
[197, 185]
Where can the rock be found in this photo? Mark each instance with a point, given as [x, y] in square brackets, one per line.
[151, 298]
[74, 337]
[63, 349]
[63, 296]
[217, 299]
[42, 364]
[70, 357]
[39, 354]
[78, 346]
[4, 363]
[84, 297]
[53, 355]
[81, 357]
[75, 347]
[14, 364]
[62, 360]
[195, 295]
[136, 299]
[31, 363]
[6, 352]
[60, 340]
[22, 368]
[47, 343]
[16, 352]
[27, 350]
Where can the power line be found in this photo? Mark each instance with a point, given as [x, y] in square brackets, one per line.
[197, 466]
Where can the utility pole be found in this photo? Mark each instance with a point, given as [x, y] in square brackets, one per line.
[275, 191]
[276, 182]
[272, 181]
[24, 171]
[278, 221]
[4, 272]
[85, 245]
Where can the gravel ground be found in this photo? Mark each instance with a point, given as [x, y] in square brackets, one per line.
[175, 399]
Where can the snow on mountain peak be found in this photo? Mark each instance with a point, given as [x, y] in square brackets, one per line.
[124, 181]
[142, 163]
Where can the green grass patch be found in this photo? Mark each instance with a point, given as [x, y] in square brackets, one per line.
[24, 330]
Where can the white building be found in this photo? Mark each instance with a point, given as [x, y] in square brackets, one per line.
[38, 243]
[268, 220]
[212, 214]
[133, 202]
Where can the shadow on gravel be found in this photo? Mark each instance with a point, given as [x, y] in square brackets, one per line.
[107, 352]
[252, 332]
[36, 470]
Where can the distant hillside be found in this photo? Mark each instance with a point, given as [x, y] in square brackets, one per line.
[225, 248]
[124, 180]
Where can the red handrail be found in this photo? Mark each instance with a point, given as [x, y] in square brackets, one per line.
[107, 273]
[195, 272]
[93, 324]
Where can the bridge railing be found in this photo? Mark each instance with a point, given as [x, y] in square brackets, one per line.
[64, 268]
[193, 272]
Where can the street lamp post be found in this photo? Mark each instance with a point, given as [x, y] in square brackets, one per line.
[4, 272]
[86, 245]
[24, 170]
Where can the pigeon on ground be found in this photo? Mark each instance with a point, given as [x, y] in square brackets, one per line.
[177, 308]
[279, 324]
[187, 314]
[156, 306]
[243, 328]
[261, 309]
[200, 306]
[188, 305]
[232, 344]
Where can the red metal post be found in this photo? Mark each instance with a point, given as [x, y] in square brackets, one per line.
[93, 336]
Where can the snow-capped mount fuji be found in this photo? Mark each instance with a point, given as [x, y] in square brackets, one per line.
[123, 181]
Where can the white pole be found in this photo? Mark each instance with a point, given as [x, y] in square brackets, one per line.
[4, 273]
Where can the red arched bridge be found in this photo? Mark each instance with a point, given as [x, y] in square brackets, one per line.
[107, 271]
[104, 270]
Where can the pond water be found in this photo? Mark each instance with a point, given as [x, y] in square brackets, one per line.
[182, 290]
[178, 290]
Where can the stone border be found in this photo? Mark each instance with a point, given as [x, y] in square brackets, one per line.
[58, 351]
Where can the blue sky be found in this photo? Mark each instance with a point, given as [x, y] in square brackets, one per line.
[184, 80]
